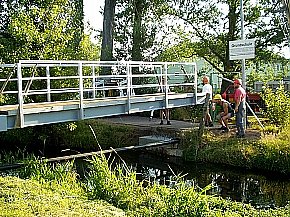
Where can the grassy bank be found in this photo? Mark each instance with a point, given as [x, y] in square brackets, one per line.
[30, 198]
[121, 188]
[46, 190]
[266, 152]
[49, 191]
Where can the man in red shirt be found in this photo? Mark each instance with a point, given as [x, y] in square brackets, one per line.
[240, 107]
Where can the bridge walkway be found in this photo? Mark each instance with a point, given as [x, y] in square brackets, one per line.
[36, 92]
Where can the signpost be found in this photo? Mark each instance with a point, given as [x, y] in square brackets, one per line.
[242, 49]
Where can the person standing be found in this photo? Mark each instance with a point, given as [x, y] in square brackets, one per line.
[207, 88]
[240, 107]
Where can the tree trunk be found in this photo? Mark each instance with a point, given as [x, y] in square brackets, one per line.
[229, 65]
[137, 30]
[107, 34]
[78, 22]
[287, 8]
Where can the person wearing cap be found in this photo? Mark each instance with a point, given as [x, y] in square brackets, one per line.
[226, 114]
[240, 107]
[207, 88]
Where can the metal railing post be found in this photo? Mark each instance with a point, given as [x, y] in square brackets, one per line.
[48, 84]
[19, 122]
[129, 87]
[81, 90]
[166, 87]
[94, 82]
[195, 84]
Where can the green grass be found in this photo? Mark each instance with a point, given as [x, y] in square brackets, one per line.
[55, 190]
[139, 198]
[20, 197]
[270, 152]
[49, 190]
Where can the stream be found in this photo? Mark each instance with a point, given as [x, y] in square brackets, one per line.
[260, 189]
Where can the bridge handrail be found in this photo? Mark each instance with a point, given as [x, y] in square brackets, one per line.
[70, 79]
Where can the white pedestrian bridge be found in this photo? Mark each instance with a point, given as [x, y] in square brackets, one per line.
[37, 92]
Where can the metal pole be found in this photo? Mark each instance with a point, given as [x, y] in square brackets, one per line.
[94, 82]
[48, 84]
[129, 87]
[243, 37]
[20, 98]
[81, 91]
[243, 60]
[165, 85]
[195, 85]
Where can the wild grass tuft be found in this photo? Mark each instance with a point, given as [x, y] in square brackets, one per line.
[49, 190]
[140, 198]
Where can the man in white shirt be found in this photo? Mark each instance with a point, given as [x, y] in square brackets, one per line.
[207, 88]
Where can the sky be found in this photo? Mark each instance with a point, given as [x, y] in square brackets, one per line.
[92, 13]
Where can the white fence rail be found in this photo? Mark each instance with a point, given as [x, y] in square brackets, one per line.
[44, 81]
[52, 78]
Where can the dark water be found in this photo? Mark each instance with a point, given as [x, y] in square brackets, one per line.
[262, 190]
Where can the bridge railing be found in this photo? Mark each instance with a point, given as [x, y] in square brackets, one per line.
[42, 81]
[46, 81]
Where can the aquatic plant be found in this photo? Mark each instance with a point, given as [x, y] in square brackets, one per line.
[141, 198]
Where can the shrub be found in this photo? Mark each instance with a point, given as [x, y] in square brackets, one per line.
[277, 106]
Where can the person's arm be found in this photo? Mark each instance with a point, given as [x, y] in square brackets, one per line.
[237, 100]
[226, 109]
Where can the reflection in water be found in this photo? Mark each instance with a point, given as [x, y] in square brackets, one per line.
[260, 190]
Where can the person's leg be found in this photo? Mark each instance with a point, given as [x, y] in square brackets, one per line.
[151, 115]
[226, 121]
[208, 120]
[239, 121]
[221, 121]
[161, 116]
[168, 116]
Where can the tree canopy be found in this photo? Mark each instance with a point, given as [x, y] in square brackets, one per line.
[42, 29]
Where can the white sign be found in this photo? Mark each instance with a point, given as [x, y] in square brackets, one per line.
[242, 49]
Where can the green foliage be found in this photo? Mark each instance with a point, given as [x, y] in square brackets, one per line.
[50, 191]
[277, 106]
[183, 113]
[78, 135]
[137, 26]
[268, 153]
[75, 136]
[43, 30]
[209, 28]
[120, 187]
[266, 72]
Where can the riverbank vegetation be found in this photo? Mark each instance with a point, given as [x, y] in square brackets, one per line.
[42, 190]
[264, 148]
[77, 136]
[269, 152]
[57, 190]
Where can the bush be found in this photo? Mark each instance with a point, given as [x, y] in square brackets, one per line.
[277, 106]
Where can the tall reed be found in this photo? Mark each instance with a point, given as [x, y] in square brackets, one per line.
[120, 187]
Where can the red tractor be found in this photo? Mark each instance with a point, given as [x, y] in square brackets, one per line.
[253, 99]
